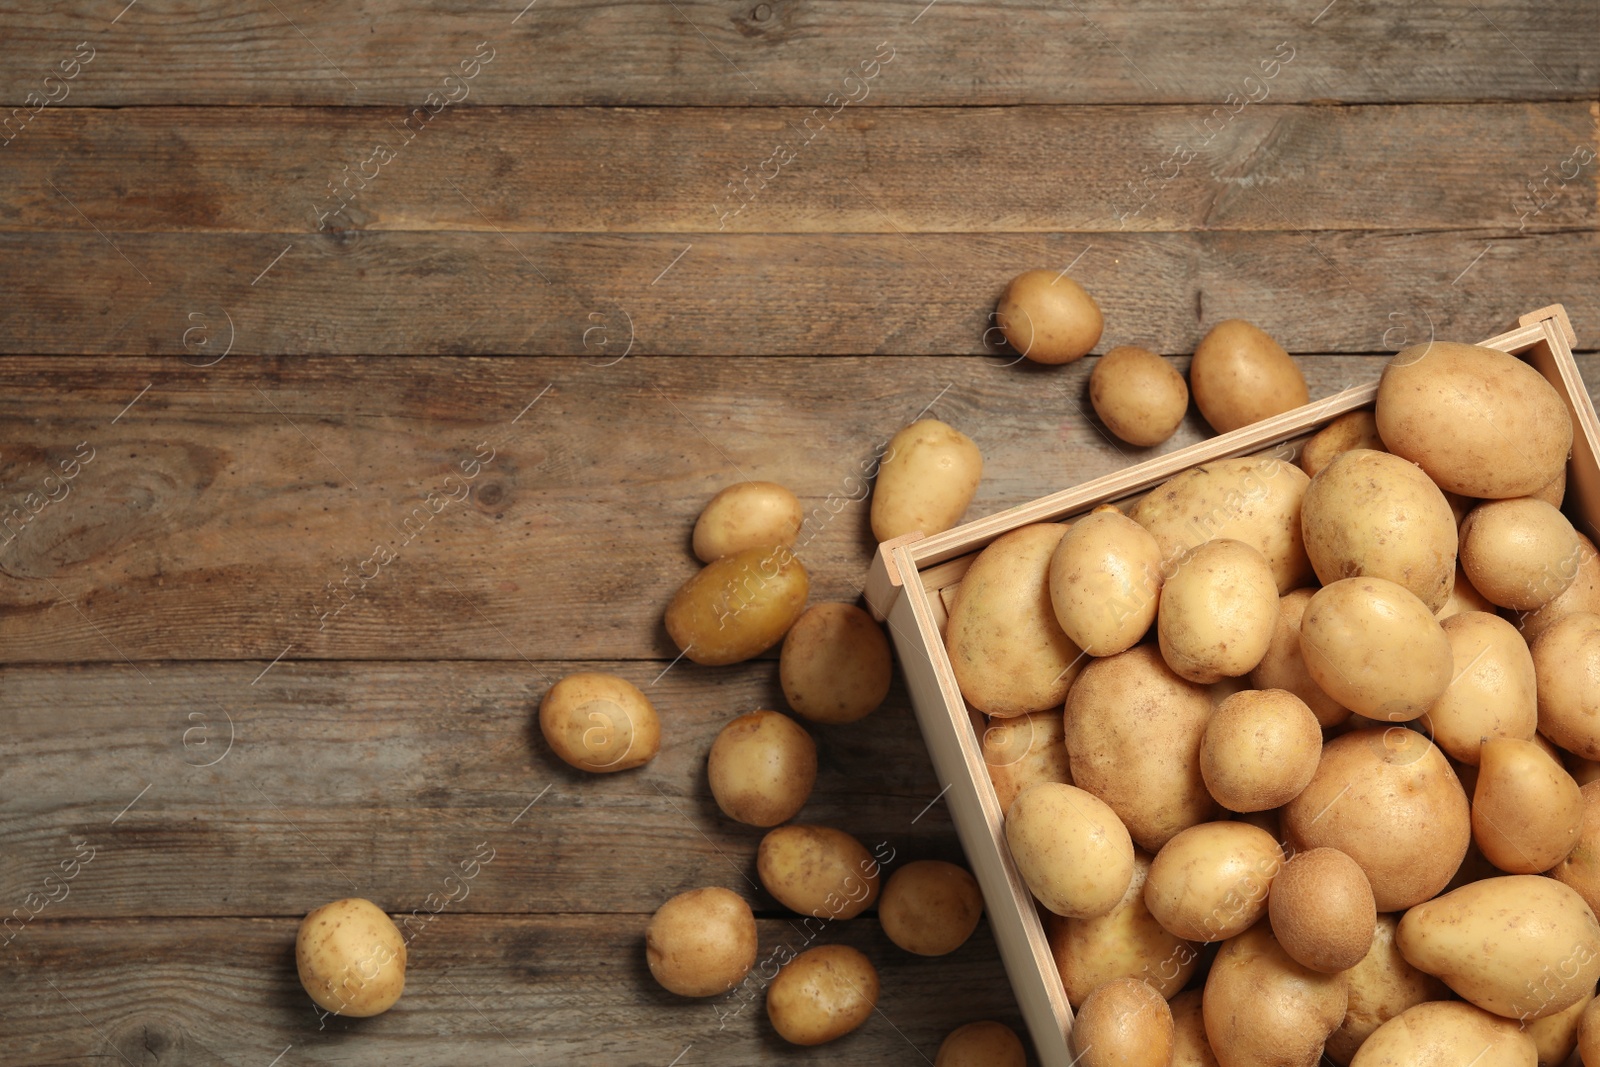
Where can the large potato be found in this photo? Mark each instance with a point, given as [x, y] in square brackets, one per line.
[1581, 867]
[1009, 654]
[1126, 942]
[351, 958]
[1480, 422]
[1375, 648]
[930, 907]
[1447, 1032]
[1133, 733]
[1254, 499]
[1370, 513]
[1218, 612]
[1520, 553]
[1566, 665]
[761, 768]
[835, 665]
[1491, 691]
[701, 943]
[1071, 850]
[1240, 375]
[1521, 946]
[1124, 1023]
[1260, 749]
[747, 515]
[1582, 595]
[1212, 881]
[739, 606]
[927, 478]
[1381, 986]
[1105, 577]
[1355, 429]
[599, 723]
[1048, 317]
[1262, 1009]
[1283, 667]
[1526, 809]
[818, 871]
[822, 994]
[1140, 396]
[1025, 750]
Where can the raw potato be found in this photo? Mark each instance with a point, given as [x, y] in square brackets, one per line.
[747, 515]
[1589, 1034]
[835, 665]
[1133, 733]
[1521, 946]
[1556, 1036]
[1519, 553]
[927, 478]
[1526, 809]
[1355, 429]
[1071, 850]
[1375, 648]
[1009, 654]
[1126, 942]
[1566, 664]
[930, 907]
[1388, 799]
[701, 943]
[1283, 667]
[1581, 869]
[1211, 882]
[1491, 692]
[1189, 1045]
[1254, 499]
[1138, 395]
[1260, 750]
[1582, 595]
[739, 606]
[1322, 910]
[762, 767]
[1480, 422]
[1447, 1032]
[351, 958]
[1025, 750]
[981, 1044]
[599, 723]
[1105, 577]
[818, 871]
[1262, 1009]
[1381, 986]
[1048, 317]
[822, 994]
[1218, 612]
[1240, 375]
[1124, 1023]
[1555, 491]
[1370, 513]
[1463, 598]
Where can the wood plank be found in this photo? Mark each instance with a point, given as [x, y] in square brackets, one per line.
[714, 52]
[501, 990]
[667, 170]
[730, 294]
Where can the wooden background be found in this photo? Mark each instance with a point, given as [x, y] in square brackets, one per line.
[188, 722]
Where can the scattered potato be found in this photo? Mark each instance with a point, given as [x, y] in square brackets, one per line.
[1211, 881]
[762, 767]
[1071, 849]
[822, 994]
[1322, 910]
[930, 907]
[1519, 553]
[1526, 809]
[981, 1044]
[1260, 749]
[1447, 1032]
[1566, 665]
[701, 943]
[1582, 595]
[927, 478]
[1240, 375]
[835, 665]
[1124, 1023]
[351, 958]
[747, 515]
[1283, 667]
[1105, 579]
[1048, 317]
[1262, 1009]
[818, 871]
[1138, 395]
[1217, 614]
[739, 606]
[1355, 429]
[1025, 750]
[1381, 986]
[1375, 648]
[1126, 942]
[599, 723]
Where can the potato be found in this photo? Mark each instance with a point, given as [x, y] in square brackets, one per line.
[1211, 881]
[1105, 576]
[1581, 868]
[981, 1044]
[1388, 800]
[1025, 750]
[818, 871]
[1322, 910]
[599, 723]
[1566, 666]
[1480, 422]
[835, 665]
[701, 943]
[1254, 499]
[739, 606]
[1260, 749]
[1447, 1032]
[1582, 595]
[1521, 946]
[1463, 598]
[1381, 986]
[1491, 692]
[1189, 1045]
[1262, 1009]
[1240, 375]
[351, 958]
[1009, 654]
[1375, 648]
[1556, 1036]
[747, 515]
[1218, 612]
[1553, 492]
[930, 907]
[1589, 1034]
[1370, 513]
[762, 767]
[1526, 810]
[1138, 395]
[927, 478]
[1354, 429]
[1126, 942]
[1048, 317]
[1519, 553]
[1124, 1023]
[1072, 851]
[1133, 731]
[822, 994]
[1283, 667]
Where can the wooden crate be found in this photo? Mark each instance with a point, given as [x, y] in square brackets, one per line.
[913, 578]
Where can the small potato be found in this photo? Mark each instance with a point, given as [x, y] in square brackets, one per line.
[1025, 750]
[1582, 595]
[1218, 612]
[1211, 881]
[930, 907]
[1283, 667]
[1126, 942]
[599, 723]
[747, 515]
[1262, 1009]
[1375, 648]
[1048, 317]
[1463, 598]
[1355, 429]
[1138, 395]
[1527, 811]
[1124, 1023]
[822, 994]
[1519, 553]
[1240, 375]
[1381, 986]
[835, 665]
[1322, 910]
[1190, 1048]
[1260, 750]
[1105, 580]
[818, 871]
[927, 478]
[981, 1044]
[1556, 1036]
[762, 767]
[351, 958]
[1491, 691]
[739, 606]
[1447, 1032]
[701, 943]
[1566, 666]
[1581, 868]
[1072, 851]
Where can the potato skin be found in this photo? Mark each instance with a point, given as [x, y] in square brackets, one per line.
[1527, 811]
[747, 515]
[702, 942]
[817, 871]
[1240, 375]
[1491, 691]
[1520, 553]
[928, 476]
[1354, 429]
[930, 907]
[1566, 665]
[1262, 1009]
[1381, 986]
[1218, 612]
[822, 994]
[1283, 667]
[1447, 1031]
[1211, 882]
[599, 723]
[981, 1044]
[1375, 648]
[1138, 395]
[762, 768]
[1126, 942]
[739, 606]
[1322, 911]
[1581, 868]
[1190, 1048]
[1071, 850]
[1025, 750]
[1105, 581]
[1260, 750]
[1582, 595]
[1124, 1023]
[351, 958]
[1048, 317]
[835, 665]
